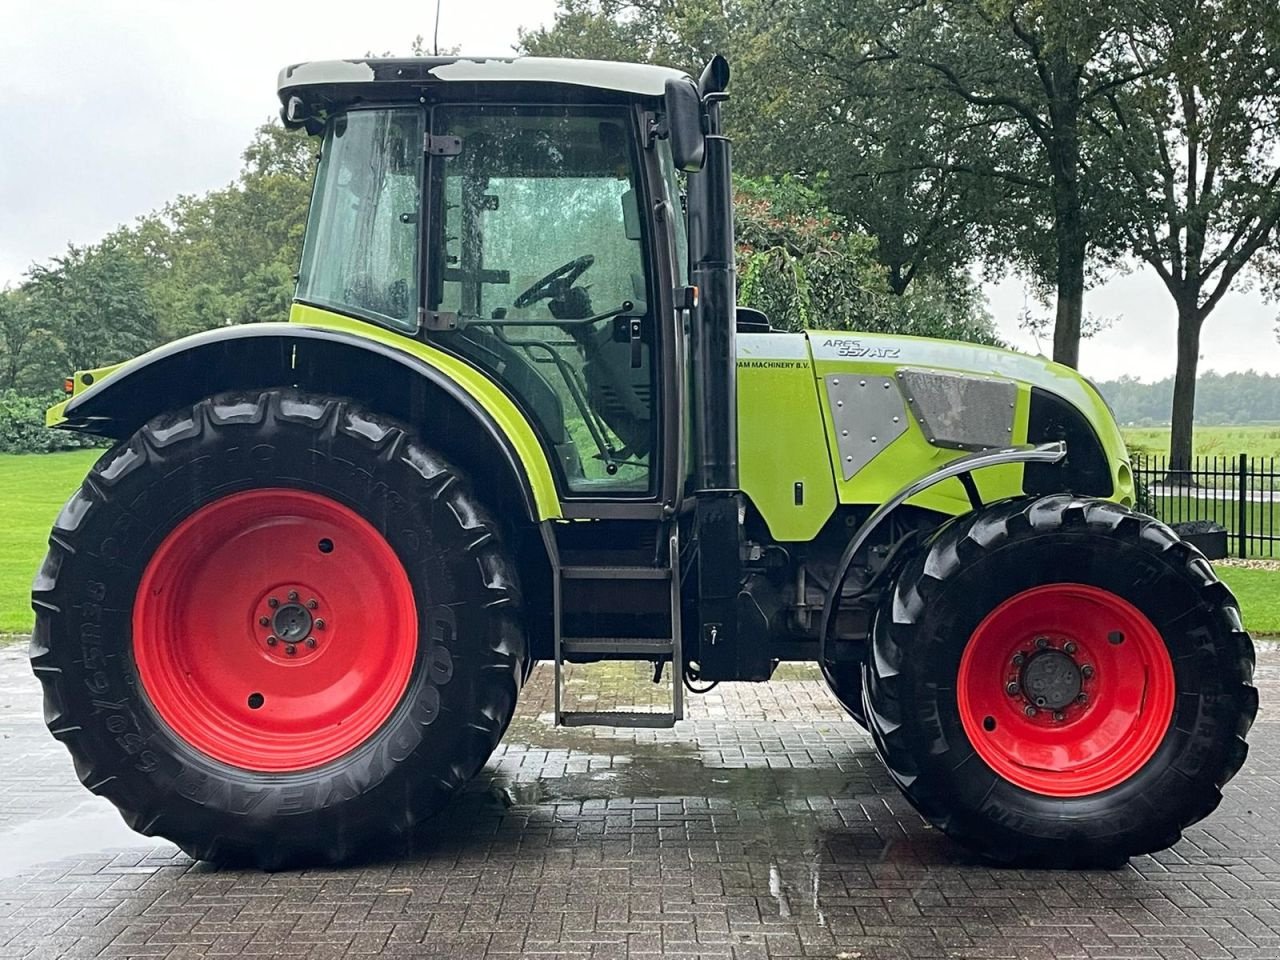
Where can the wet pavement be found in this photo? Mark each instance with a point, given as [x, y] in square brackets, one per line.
[761, 827]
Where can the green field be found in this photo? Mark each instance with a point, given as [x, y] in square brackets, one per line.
[34, 487]
[1257, 440]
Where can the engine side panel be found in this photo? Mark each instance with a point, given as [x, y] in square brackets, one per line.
[783, 461]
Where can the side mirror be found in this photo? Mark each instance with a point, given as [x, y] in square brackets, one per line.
[684, 124]
[715, 77]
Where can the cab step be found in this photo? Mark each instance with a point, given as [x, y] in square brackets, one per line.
[627, 648]
[615, 573]
[617, 718]
[658, 649]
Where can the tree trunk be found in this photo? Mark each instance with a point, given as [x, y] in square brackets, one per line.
[1184, 393]
[1072, 243]
[897, 279]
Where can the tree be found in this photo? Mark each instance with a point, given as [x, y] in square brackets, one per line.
[1194, 145]
[229, 256]
[805, 266]
[891, 164]
[24, 341]
[94, 302]
[677, 33]
[1028, 73]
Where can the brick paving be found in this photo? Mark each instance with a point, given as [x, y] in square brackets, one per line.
[762, 827]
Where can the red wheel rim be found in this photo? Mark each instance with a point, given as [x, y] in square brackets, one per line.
[1065, 690]
[274, 630]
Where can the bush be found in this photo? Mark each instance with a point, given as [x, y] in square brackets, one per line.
[22, 428]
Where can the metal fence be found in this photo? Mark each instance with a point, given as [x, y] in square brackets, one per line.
[1238, 492]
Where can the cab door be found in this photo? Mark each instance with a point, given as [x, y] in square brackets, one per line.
[543, 274]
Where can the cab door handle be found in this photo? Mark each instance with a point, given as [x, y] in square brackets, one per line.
[634, 336]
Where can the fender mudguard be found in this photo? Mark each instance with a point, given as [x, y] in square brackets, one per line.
[456, 407]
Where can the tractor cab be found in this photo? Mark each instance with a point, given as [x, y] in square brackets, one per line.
[522, 215]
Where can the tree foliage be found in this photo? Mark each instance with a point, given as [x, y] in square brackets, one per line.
[1194, 162]
[948, 130]
[678, 33]
[805, 267]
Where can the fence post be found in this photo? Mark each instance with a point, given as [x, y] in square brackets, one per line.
[1242, 501]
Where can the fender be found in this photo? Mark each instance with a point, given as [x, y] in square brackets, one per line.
[962, 468]
[407, 379]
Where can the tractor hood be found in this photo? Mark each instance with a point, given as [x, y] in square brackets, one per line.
[830, 418]
[896, 350]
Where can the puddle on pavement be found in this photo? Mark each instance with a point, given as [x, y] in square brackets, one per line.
[657, 768]
[92, 827]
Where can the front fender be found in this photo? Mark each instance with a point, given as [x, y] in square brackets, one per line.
[455, 406]
[962, 468]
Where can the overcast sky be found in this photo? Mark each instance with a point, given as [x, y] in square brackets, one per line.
[108, 110]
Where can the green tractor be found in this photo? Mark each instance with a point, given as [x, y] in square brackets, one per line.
[516, 416]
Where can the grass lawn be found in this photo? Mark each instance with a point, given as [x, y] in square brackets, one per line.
[33, 488]
[1259, 594]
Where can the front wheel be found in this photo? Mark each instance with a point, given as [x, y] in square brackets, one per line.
[1060, 682]
[277, 628]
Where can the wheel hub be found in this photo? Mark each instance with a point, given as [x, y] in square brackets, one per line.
[292, 622]
[289, 622]
[1050, 680]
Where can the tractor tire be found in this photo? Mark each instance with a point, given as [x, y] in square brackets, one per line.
[1060, 682]
[844, 680]
[277, 629]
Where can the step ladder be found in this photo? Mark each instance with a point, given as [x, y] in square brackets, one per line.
[618, 648]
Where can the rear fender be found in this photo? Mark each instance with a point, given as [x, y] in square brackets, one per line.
[453, 406]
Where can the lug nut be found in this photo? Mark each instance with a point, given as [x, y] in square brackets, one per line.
[1011, 689]
[312, 604]
[1083, 698]
[1069, 647]
[1086, 671]
[1019, 659]
[1041, 642]
[264, 621]
[319, 624]
[271, 641]
[293, 595]
[1029, 710]
[290, 649]
[273, 603]
[311, 642]
[1059, 715]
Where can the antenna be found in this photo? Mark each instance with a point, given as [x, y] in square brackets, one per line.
[435, 37]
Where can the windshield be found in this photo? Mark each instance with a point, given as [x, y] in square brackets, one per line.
[361, 249]
[539, 250]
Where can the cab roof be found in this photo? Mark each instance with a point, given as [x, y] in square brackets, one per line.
[336, 77]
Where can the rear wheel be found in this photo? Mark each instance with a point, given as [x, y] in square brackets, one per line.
[276, 628]
[1060, 682]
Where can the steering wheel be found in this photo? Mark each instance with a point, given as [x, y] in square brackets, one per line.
[558, 280]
